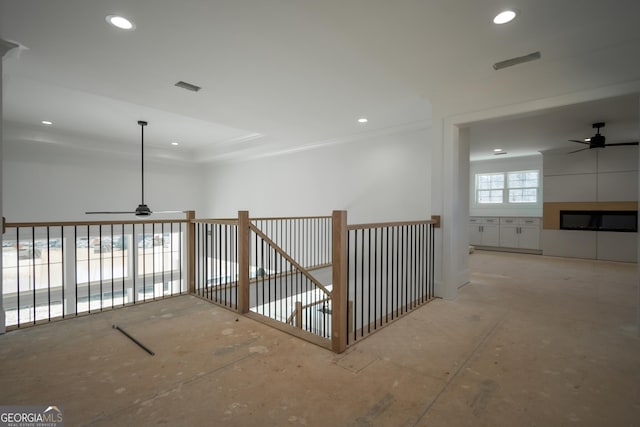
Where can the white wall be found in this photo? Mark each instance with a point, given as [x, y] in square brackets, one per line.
[4, 48]
[505, 165]
[45, 182]
[380, 178]
[599, 175]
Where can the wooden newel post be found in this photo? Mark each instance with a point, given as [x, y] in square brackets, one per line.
[243, 261]
[339, 326]
[298, 315]
[191, 252]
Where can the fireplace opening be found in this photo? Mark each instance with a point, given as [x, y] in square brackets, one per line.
[625, 221]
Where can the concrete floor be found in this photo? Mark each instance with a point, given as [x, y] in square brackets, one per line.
[531, 341]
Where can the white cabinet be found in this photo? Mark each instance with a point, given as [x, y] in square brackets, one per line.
[507, 233]
[475, 232]
[484, 231]
[570, 243]
[520, 233]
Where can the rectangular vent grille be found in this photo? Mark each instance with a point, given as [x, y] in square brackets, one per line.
[188, 86]
[515, 61]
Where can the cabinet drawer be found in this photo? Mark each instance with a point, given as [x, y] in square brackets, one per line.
[530, 221]
[483, 220]
[509, 221]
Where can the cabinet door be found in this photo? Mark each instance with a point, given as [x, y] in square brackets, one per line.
[490, 235]
[475, 235]
[529, 238]
[509, 236]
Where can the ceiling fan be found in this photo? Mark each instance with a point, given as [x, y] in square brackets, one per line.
[598, 140]
[142, 209]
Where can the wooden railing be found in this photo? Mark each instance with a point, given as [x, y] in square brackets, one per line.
[282, 285]
[216, 260]
[65, 269]
[305, 239]
[315, 277]
[390, 272]
[261, 267]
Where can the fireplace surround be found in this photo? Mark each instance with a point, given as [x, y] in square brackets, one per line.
[599, 220]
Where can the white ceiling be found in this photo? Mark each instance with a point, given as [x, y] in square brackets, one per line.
[281, 75]
[552, 129]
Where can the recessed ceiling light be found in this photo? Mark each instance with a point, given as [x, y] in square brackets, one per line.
[363, 120]
[504, 17]
[120, 22]
[46, 122]
[497, 150]
[175, 143]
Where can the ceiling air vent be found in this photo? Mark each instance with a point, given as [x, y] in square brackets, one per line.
[188, 86]
[515, 61]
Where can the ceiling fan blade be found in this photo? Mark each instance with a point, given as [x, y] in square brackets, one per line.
[622, 143]
[582, 149]
[579, 142]
[137, 213]
[109, 213]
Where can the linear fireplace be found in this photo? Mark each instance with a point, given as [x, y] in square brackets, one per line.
[625, 221]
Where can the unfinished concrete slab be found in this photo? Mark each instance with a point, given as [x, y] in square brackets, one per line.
[531, 340]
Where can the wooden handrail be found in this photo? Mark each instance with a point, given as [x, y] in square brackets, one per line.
[311, 304]
[391, 224]
[234, 221]
[225, 221]
[291, 217]
[85, 223]
[286, 256]
[229, 221]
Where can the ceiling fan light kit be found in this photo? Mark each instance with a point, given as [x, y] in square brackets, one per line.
[143, 210]
[598, 140]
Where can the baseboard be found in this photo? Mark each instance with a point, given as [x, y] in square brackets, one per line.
[512, 250]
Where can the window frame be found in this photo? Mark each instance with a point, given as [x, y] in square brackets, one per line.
[506, 189]
[523, 188]
[493, 187]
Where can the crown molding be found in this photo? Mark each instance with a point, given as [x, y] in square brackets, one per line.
[245, 155]
[6, 46]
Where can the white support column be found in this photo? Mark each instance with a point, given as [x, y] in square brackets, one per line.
[638, 307]
[451, 200]
[5, 46]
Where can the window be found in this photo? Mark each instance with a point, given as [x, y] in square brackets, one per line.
[489, 187]
[507, 187]
[523, 186]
